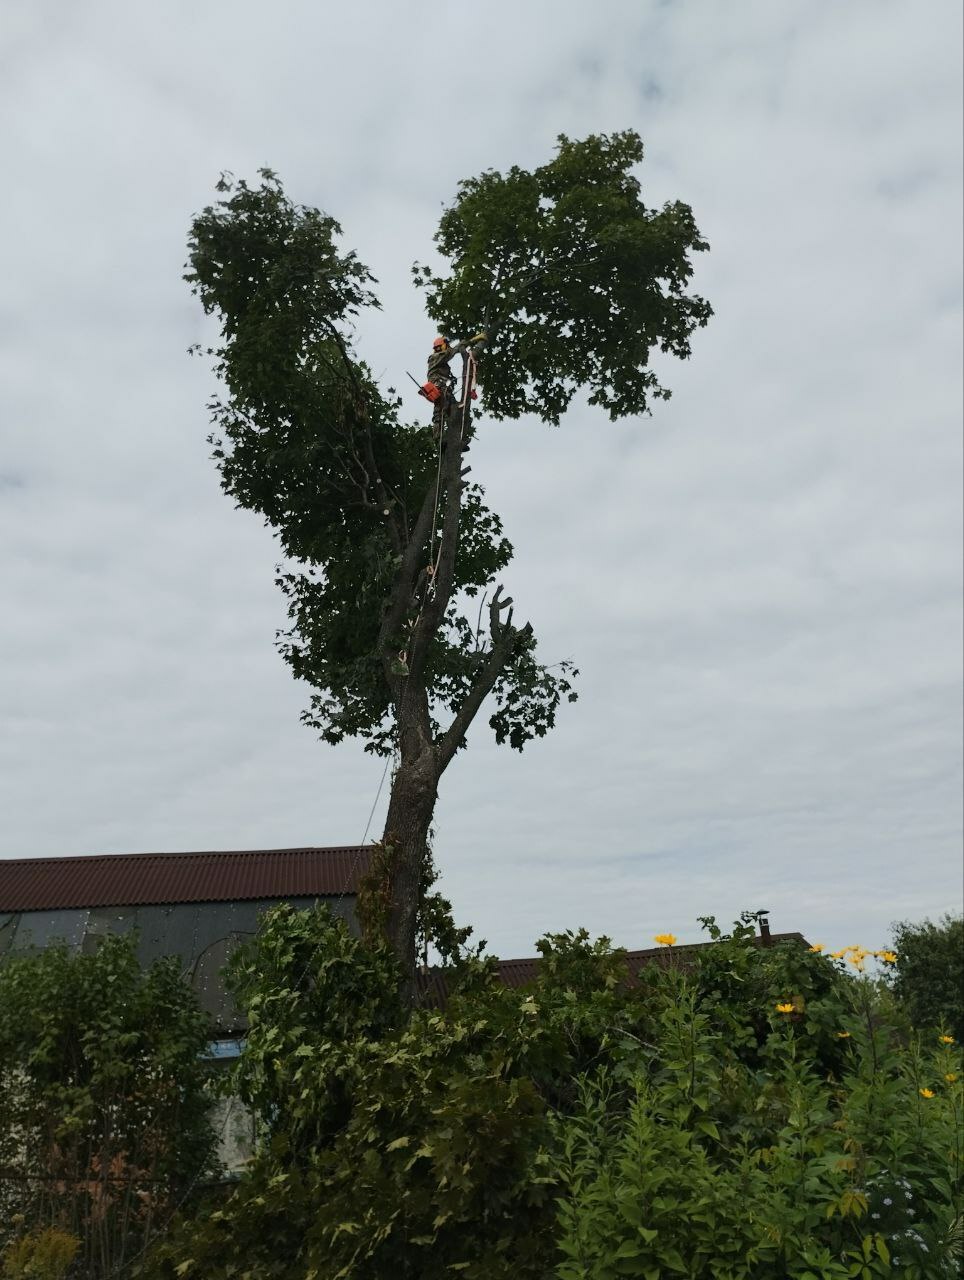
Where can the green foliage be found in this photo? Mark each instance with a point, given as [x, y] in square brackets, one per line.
[928, 976]
[575, 279]
[740, 984]
[578, 281]
[103, 1101]
[587, 1126]
[435, 926]
[728, 1158]
[399, 1148]
[307, 439]
[645, 1193]
[40, 1255]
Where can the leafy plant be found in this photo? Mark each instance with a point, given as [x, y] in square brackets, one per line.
[928, 975]
[104, 1099]
[696, 1120]
[39, 1255]
[721, 1164]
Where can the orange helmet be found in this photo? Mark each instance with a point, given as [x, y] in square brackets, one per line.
[440, 342]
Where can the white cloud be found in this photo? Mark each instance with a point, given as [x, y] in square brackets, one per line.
[760, 583]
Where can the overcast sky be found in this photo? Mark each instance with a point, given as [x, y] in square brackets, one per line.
[761, 583]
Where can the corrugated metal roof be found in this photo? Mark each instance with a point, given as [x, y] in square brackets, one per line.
[137, 879]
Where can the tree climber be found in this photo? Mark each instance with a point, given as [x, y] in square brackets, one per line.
[440, 374]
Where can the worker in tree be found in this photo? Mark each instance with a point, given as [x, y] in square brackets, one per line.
[440, 374]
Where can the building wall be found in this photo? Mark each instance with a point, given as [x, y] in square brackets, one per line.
[203, 935]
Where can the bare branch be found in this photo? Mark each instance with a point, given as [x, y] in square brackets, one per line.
[505, 638]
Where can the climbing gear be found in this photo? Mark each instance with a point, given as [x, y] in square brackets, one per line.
[478, 337]
[468, 385]
[440, 343]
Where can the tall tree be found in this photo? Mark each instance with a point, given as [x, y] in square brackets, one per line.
[575, 282]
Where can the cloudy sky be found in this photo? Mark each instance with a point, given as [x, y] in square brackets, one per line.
[761, 583]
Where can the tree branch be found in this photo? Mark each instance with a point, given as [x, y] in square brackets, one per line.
[504, 640]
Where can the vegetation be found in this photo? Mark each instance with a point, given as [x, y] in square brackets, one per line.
[394, 557]
[44, 1254]
[104, 1101]
[928, 975]
[739, 1111]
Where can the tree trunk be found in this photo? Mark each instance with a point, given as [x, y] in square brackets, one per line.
[410, 809]
[422, 758]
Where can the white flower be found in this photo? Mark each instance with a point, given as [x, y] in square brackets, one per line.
[887, 1200]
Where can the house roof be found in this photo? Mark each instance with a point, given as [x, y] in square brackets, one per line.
[138, 879]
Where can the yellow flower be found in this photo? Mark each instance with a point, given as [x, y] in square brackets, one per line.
[843, 1035]
[946, 1039]
[888, 957]
[839, 955]
[665, 939]
[950, 1077]
[817, 946]
[857, 957]
[926, 1093]
[784, 1006]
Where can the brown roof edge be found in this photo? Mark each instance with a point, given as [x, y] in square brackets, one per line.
[141, 879]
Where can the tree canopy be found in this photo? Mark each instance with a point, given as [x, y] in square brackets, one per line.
[576, 280]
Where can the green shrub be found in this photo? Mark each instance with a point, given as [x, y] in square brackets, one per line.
[39, 1255]
[706, 1168]
[929, 972]
[103, 1103]
[742, 1111]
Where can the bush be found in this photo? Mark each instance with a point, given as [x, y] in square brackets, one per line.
[103, 1105]
[39, 1255]
[741, 1112]
[929, 972]
[703, 1166]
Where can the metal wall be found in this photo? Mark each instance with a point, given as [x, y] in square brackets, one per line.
[202, 935]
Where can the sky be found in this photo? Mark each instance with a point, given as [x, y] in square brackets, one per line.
[760, 583]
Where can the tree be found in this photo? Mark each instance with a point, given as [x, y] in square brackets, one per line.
[576, 283]
[928, 975]
[104, 1105]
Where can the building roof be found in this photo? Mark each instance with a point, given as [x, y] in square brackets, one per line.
[138, 879]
